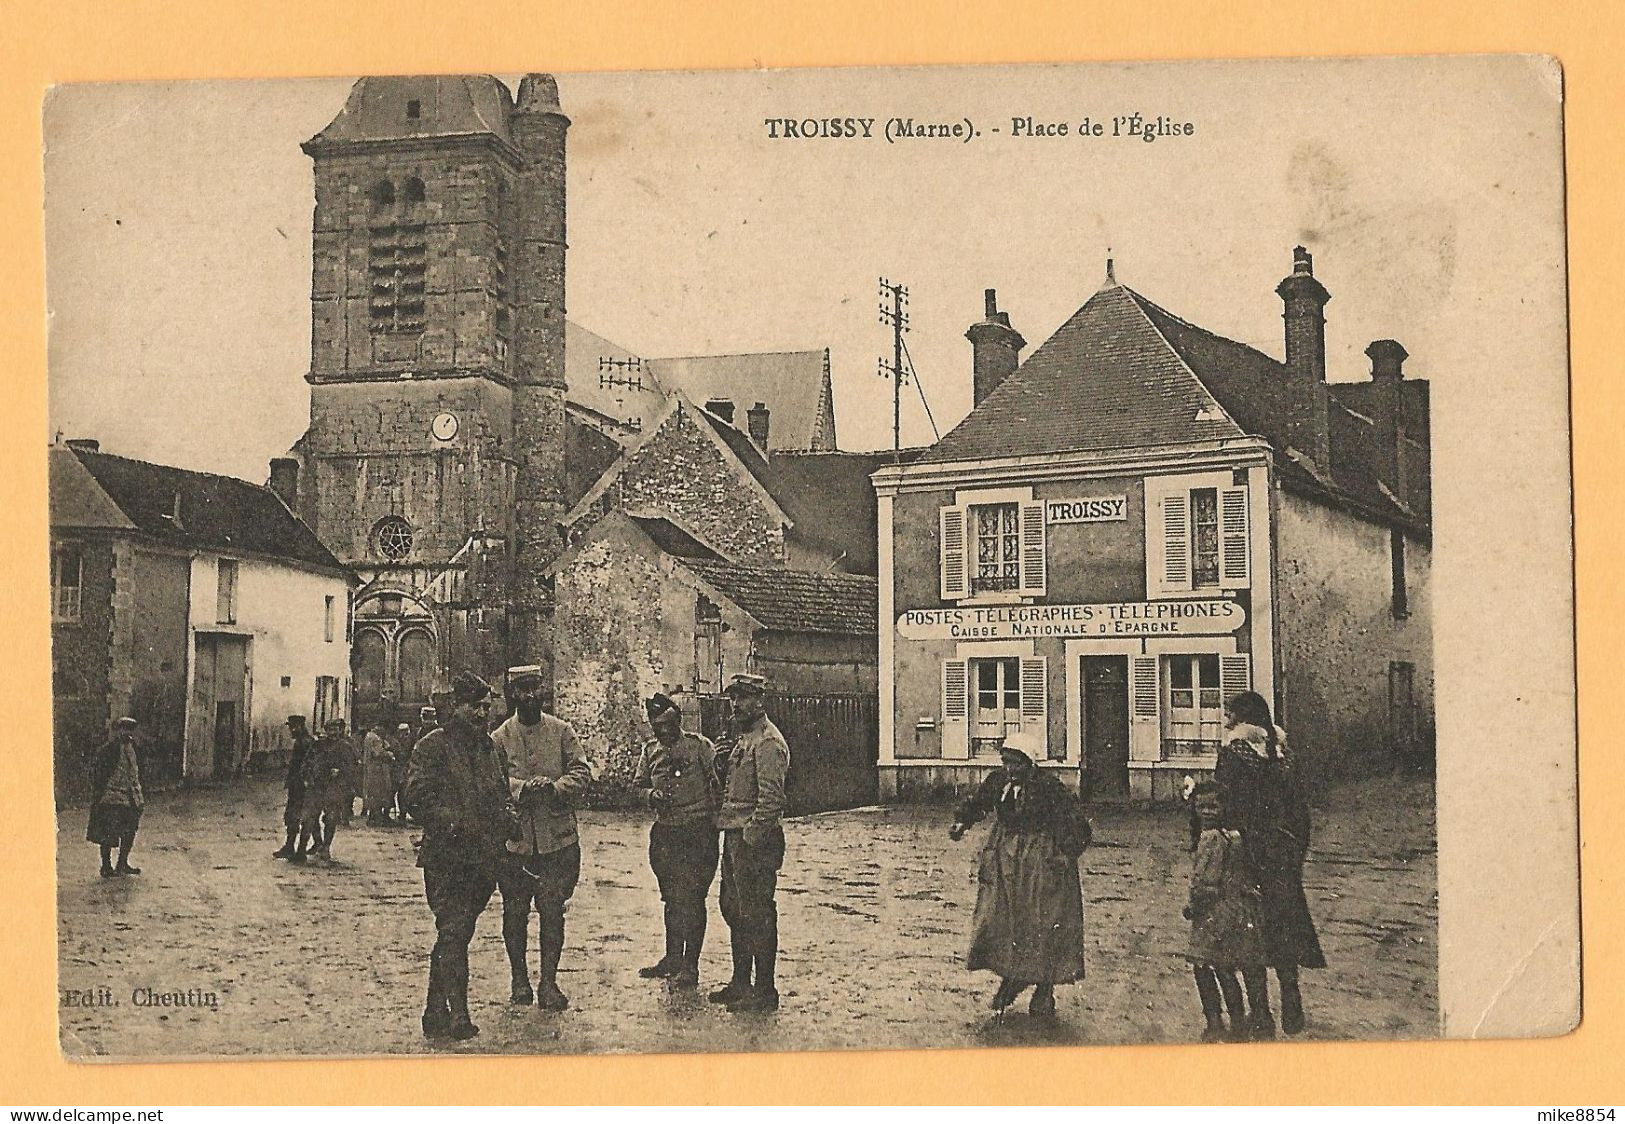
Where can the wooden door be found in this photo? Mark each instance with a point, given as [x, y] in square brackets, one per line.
[1105, 727]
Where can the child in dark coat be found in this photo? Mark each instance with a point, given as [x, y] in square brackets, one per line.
[1224, 914]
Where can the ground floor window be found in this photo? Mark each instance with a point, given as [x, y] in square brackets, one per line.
[1194, 718]
[996, 702]
[986, 698]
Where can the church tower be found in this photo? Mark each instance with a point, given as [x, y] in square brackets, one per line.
[436, 370]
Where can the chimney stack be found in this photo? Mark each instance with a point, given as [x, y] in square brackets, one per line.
[1388, 414]
[1304, 298]
[285, 481]
[756, 419]
[85, 444]
[995, 349]
[720, 407]
[1387, 359]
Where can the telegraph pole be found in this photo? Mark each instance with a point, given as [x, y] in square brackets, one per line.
[894, 311]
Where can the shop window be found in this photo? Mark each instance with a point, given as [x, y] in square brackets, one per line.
[226, 592]
[993, 549]
[67, 582]
[1401, 605]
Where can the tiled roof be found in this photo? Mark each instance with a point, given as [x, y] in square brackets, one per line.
[1106, 379]
[795, 600]
[789, 383]
[448, 106]
[832, 503]
[219, 513]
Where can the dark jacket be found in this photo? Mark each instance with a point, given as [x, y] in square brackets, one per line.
[1042, 804]
[294, 782]
[330, 770]
[104, 762]
[1264, 800]
[457, 788]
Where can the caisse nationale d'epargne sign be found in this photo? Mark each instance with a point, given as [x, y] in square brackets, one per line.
[1210, 617]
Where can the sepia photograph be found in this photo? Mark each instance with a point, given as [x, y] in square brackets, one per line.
[755, 561]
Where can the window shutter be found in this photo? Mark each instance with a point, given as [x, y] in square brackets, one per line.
[1035, 698]
[1033, 561]
[1234, 567]
[1175, 574]
[1235, 675]
[951, 525]
[1145, 709]
[955, 709]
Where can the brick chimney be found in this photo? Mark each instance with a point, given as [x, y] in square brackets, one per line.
[756, 419]
[1387, 359]
[1388, 410]
[995, 349]
[285, 480]
[720, 407]
[1304, 298]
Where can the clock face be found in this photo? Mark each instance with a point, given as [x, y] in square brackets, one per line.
[444, 427]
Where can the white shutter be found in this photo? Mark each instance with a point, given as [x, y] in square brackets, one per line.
[1145, 709]
[951, 540]
[1234, 567]
[1035, 698]
[1033, 561]
[1174, 575]
[955, 709]
[1235, 675]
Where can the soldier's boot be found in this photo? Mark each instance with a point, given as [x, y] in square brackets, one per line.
[1207, 987]
[436, 1012]
[1291, 1000]
[548, 995]
[668, 964]
[1042, 1004]
[688, 974]
[514, 938]
[765, 953]
[739, 986]
[1230, 988]
[286, 850]
[456, 984]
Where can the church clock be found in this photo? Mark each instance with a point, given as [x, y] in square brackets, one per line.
[444, 427]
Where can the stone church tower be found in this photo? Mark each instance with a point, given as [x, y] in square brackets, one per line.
[434, 459]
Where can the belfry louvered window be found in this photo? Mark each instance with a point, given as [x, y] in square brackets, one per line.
[397, 258]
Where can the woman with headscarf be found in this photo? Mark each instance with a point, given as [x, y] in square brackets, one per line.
[1265, 801]
[1028, 924]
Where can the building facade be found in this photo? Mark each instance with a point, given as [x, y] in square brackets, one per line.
[199, 605]
[1136, 523]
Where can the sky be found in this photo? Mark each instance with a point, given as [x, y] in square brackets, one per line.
[1429, 190]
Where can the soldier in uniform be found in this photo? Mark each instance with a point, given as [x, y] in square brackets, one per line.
[677, 776]
[546, 772]
[294, 782]
[457, 789]
[752, 847]
[330, 781]
[116, 797]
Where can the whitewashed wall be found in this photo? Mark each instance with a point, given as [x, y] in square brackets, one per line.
[281, 609]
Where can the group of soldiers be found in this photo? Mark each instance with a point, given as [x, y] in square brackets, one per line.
[497, 811]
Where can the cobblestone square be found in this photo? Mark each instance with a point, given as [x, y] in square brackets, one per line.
[875, 909]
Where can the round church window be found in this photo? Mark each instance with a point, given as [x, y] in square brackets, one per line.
[392, 538]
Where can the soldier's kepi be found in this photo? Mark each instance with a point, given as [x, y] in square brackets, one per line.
[457, 788]
[546, 772]
[753, 847]
[677, 775]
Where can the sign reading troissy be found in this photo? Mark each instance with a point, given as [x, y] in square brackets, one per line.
[1124, 618]
[1089, 509]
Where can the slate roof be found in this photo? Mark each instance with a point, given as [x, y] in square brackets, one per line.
[832, 503]
[450, 105]
[1107, 379]
[791, 384]
[795, 600]
[219, 513]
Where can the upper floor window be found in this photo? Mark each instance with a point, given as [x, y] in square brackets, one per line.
[414, 109]
[397, 259]
[1401, 593]
[994, 548]
[67, 580]
[226, 592]
[392, 538]
[1197, 534]
[329, 619]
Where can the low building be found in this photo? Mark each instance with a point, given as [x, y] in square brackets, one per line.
[1140, 520]
[199, 604]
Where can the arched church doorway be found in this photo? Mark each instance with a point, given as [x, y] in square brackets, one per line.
[395, 659]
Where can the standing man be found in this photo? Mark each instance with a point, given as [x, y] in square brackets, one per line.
[545, 773]
[116, 798]
[677, 777]
[457, 789]
[294, 783]
[329, 787]
[752, 847]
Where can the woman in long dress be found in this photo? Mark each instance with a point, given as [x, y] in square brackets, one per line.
[1265, 801]
[1028, 925]
[377, 777]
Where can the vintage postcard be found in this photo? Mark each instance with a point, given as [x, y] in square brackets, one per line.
[807, 560]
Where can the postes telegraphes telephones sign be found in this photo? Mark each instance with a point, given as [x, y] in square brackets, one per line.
[1210, 617]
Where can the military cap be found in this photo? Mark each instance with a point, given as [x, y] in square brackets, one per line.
[469, 688]
[748, 684]
[333, 724]
[126, 723]
[529, 673]
[296, 719]
[427, 714]
[659, 706]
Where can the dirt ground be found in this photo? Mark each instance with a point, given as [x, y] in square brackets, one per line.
[875, 910]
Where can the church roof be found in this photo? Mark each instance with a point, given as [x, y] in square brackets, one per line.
[191, 510]
[453, 105]
[793, 385]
